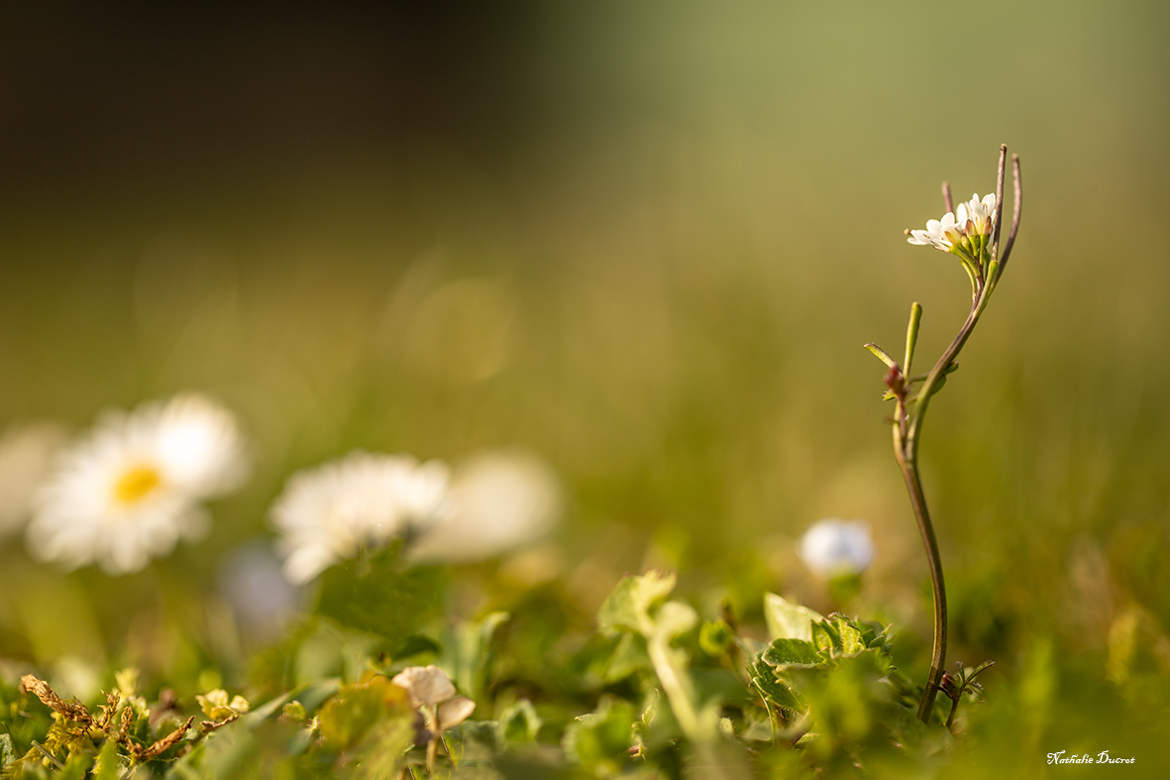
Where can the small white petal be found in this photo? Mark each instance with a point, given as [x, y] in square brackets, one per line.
[427, 685]
[455, 711]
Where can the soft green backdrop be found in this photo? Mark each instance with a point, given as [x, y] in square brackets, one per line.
[657, 273]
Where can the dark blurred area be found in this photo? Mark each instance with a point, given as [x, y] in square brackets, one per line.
[123, 98]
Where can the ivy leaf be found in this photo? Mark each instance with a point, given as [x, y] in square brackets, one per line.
[601, 739]
[347, 716]
[520, 723]
[786, 620]
[467, 652]
[380, 594]
[628, 606]
[788, 652]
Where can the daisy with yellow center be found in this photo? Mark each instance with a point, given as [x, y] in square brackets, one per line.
[133, 488]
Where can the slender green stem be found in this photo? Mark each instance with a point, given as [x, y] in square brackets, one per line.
[907, 429]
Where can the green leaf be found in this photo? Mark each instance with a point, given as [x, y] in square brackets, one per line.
[673, 619]
[601, 739]
[628, 657]
[345, 718]
[787, 652]
[716, 637]
[786, 620]
[773, 689]
[381, 594]
[467, 652]
[912, 335]
[628, 606]
[826, 638]
[7, 751]
[880, 354]
[108, 765]
[520, 723]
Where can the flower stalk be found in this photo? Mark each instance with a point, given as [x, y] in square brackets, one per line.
[970, 232]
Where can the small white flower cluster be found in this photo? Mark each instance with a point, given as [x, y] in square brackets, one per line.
[965, 231]
[833, 547]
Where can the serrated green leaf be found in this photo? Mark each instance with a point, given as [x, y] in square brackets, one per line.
[786, 620]
[785, 652]
[628, 606]
[775, 691]
[826, 638]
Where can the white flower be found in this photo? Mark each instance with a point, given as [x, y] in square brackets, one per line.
[942, 234]
[832, 547]
[432, 691]
[131, 489]
[498, 501]
[955, 230]
[977, 216]
[333, 511]
[26, 455]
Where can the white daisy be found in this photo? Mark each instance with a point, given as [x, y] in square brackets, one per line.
[333, 511]
[131, 489]
[499, 501]
[833, 547]
[27, 452]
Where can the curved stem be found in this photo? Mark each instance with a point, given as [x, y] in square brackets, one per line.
[938, 588]
[906, 432]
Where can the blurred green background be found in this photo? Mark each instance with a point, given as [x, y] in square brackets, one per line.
[645, 241]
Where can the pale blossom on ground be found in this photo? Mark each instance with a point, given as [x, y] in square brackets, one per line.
[133, 487]
[833, 547]
[432, 691]
[332, 512]
[498, 502]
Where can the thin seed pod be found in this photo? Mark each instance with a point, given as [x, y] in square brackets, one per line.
[947, 201]
[1017, 208]
[999, 177]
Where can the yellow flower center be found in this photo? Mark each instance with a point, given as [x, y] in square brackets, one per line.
[135, 483]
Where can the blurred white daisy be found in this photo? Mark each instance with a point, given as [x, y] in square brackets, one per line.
[332, 512]
[498, 502]
[26, 455]
[132, 488]
[834, 547]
